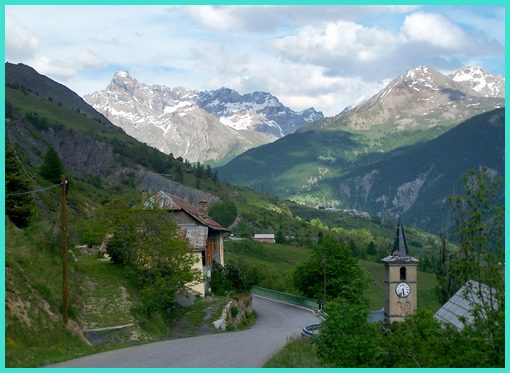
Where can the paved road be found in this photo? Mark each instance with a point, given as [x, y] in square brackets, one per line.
[276, 322]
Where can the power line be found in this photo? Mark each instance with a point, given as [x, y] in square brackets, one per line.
[33, 191]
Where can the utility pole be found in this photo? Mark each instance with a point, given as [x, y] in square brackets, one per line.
[63, 224]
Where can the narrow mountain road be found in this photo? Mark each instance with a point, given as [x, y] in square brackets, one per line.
[276, 322]
[235, 223]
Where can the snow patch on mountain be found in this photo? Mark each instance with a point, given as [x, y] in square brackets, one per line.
[480, 80]
[257, 111]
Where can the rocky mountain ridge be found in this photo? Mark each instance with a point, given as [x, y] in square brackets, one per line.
[199, 126]
[424, 97]
[257, 111]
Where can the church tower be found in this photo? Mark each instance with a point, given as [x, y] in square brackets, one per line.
[400, 282]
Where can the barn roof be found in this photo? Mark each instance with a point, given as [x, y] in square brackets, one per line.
[170, 202]
[263, 235]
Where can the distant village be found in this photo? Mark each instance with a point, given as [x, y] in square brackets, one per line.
[353, 212]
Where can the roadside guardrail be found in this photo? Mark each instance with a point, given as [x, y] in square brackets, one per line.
[286, 297]
[310, 330]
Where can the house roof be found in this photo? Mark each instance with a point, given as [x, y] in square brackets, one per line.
[168, 201]
[263, 235]
[460, 306]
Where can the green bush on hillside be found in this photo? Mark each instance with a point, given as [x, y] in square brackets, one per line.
[346, 338]
[232, 278]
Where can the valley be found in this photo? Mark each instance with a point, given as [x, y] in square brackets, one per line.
[105, 165]
[247, 186]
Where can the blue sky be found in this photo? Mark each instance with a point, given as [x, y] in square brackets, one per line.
[327, 57]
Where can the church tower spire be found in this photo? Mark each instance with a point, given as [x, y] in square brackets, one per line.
[400, 242]
[400, 283]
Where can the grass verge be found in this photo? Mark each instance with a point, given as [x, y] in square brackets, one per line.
[299, 352]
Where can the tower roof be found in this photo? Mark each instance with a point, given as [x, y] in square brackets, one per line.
[400, 252]
[400, 243]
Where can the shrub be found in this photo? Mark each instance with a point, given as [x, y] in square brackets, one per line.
[234, 311]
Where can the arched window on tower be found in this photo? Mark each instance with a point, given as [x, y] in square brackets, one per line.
[403, 273]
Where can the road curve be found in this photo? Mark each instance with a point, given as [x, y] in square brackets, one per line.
[276, 322]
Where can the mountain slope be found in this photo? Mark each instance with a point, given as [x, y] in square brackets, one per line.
[293, 164]
[418, 106]
[417, 182]
[25, 77]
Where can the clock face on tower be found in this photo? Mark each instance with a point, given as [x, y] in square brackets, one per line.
[402, 289]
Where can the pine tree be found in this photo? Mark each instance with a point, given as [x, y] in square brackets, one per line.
[18, 208]
[371, 249]
[179, 175]
[52, 167]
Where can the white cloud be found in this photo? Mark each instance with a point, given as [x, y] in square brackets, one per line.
[20, 42]
[323, 56]
[347, 48]
[434, 29]
[268, 18]
[87, 58]
[300, 87]
[297, 85]
[215, 17]
[342, 39]
[58, 69]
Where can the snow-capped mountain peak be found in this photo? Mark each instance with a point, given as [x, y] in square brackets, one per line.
[122, 81]
[480, 80]
[417, 72]
[159, 115]
[423, 95]
[121, 75]
[257, 111]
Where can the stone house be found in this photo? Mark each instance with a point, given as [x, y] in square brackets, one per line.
[203, 235]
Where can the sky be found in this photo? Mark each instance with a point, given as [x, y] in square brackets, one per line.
[328, 57]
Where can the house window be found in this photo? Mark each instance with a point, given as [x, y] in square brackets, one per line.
[403, 273]
[203, 258]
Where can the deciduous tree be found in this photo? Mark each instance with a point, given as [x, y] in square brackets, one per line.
[148, 244]
[344, 277]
